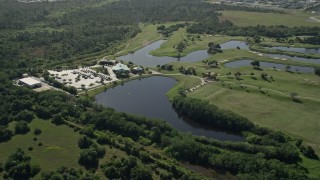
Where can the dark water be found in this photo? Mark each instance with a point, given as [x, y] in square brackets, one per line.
[142, 56]
[294, 58]
[147, 97]
[293, 49]
[235, 44]
[242, 63]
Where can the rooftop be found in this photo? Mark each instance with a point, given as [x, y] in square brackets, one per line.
[120, 66]
[29, 81]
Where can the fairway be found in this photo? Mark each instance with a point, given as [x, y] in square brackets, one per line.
[291, 19]
[60, 146]
[147, 35]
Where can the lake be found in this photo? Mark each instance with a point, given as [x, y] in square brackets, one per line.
[142, 56]
[245, 62]
[293, 49]
[147, 97]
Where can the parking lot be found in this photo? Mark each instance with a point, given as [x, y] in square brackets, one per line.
[82, 78]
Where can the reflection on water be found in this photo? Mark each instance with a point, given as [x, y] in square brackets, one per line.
[147, 97]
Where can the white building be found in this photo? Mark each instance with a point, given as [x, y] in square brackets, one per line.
[30, 82]
[120, 68]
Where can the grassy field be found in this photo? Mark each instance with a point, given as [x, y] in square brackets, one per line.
[274, 107]
[185, 82]
[60, 146]
[148, 35]
[276, 112]
[168, 48]
[194, 42]
[291, 19]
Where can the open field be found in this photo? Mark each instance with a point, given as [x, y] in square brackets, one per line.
[184, 81]
[273, 108]
[276, 112]
[168, 48]
[60, 145]
[148, 35]
[291, 19]
[194, 42]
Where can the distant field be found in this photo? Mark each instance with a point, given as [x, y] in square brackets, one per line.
[148, 34]
[291, 19]
[60, 146]
[168, 47]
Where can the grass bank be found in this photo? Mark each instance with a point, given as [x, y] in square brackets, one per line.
[291, 18]
[60, 145]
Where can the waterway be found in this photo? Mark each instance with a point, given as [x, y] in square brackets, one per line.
[147, 97]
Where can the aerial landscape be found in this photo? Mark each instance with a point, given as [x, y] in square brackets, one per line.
[159, 89]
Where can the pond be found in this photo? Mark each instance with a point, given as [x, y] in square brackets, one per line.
[243, 63]
[299, 50]
[295, 58]
[142, 56]
[147, 97]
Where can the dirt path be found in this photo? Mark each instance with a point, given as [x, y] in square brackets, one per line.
[314, 19]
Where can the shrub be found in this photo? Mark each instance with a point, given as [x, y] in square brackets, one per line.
[21, 127]
[103, 140]
[37, 131]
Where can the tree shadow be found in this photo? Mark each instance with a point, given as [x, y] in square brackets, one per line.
[297, 100]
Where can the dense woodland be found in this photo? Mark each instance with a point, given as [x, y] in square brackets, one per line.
[265, 152]
[34, 36]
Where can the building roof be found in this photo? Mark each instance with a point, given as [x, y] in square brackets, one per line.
[120, 67]
[138, 68]
[29, 81]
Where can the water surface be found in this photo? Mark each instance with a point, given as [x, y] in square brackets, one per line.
[245, 62]
[294, 49]
[147, 97]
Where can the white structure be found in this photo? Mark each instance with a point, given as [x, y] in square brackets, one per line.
[30, 82]
[120, 68]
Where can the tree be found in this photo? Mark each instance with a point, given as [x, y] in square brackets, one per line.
[141, 173]
[18, 166]
[214, 48]
[288, 68]
[89, 158]
[84, 142]
[5, 134]
[112, 173]
[255, 64]
[21, 127]
[25, 115]
[57, 119]
[293, 95]
[317, 71]
[37, 131]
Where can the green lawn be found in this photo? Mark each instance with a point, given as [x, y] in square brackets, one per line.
[168, 48]
[185, 82]
[291, 19]
[148, 35]
[273, 108]
[60, 146]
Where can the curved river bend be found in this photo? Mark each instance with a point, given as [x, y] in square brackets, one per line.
[142, 56]
[147, 97]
